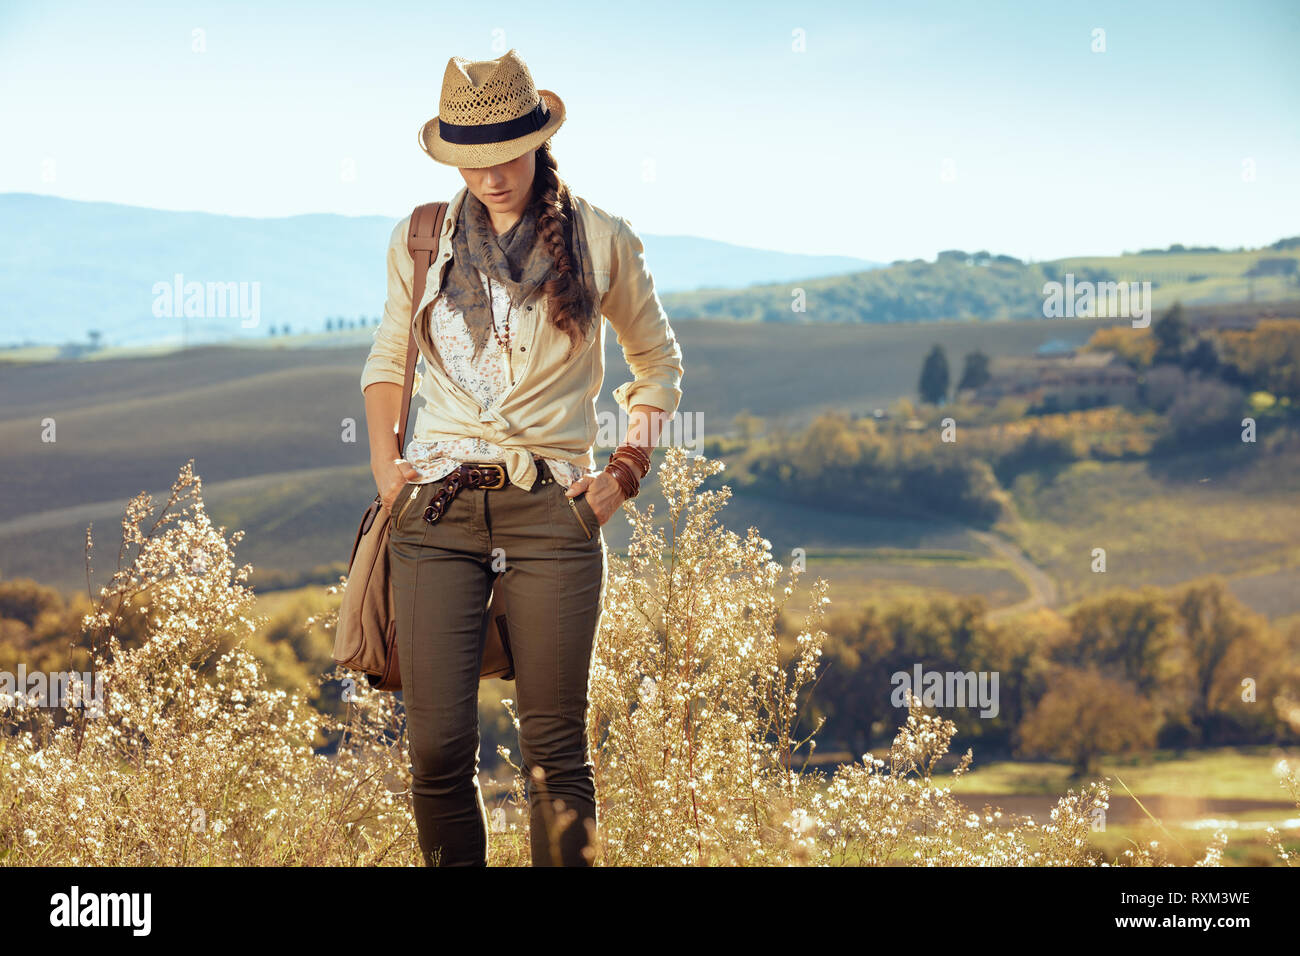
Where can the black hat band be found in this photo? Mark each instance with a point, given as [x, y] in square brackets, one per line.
[473, 135]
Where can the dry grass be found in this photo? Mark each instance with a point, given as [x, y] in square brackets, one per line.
[695, 694]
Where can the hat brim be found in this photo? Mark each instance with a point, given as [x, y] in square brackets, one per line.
[479, 155]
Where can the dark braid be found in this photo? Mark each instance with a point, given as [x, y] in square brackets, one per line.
[564, 294]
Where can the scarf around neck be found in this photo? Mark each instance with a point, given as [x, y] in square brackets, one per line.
[516, 259]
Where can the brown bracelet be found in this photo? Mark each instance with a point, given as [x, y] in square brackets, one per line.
[634, 454]
[638, 455]
[628, 464]
[628, 482]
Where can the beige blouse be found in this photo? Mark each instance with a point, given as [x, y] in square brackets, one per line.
[550, 410]
[487, 380]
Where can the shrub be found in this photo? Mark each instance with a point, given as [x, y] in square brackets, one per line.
[1207, 409]
[194, 760]
[694, 699]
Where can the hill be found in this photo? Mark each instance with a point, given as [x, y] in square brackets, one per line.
[264, 427]
[68, 268]
[961, 285]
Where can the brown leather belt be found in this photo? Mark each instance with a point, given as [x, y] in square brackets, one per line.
[488, 475]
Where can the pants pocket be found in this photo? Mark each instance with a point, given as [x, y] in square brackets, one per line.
[405, 498]
[582, 512]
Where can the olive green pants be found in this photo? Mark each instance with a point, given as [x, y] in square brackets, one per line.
[442, 574]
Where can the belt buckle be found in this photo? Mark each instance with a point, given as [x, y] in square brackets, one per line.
[498, 482]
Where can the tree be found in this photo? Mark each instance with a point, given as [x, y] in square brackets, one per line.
[1203, 356]
[1086, 714]
[902, 409]
[829, 444]
[975, 371]
[1131, 635]
[1227, 641]
[852, 692]
[1266, 357]
[1172, 334]
[1206, 409]
[934, 376]
[26, 600]
[1273, 266]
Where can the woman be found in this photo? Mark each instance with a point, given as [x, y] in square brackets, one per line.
[499, 474]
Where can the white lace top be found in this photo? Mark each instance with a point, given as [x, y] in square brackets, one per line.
[487, 379]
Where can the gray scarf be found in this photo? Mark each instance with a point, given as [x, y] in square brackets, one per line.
[516, 259]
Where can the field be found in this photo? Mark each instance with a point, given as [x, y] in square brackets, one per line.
[1192, 277]
[265, 427]
[981, 287]
[1177, 800]
[1194, 516]
[268, 428]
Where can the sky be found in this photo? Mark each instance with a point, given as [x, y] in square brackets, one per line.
[875, 130]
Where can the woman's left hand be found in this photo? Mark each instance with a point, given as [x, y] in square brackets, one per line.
[603, 494]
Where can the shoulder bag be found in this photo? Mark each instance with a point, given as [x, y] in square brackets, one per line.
[365, 638]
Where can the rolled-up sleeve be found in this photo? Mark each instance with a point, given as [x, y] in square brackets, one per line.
[653, 354]
[387, 359]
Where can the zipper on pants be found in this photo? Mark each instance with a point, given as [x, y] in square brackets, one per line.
[573, 503]
[415, 491]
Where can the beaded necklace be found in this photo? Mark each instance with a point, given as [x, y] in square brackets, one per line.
[504, 343]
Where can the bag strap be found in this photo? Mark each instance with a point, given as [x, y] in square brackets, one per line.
[422, 241]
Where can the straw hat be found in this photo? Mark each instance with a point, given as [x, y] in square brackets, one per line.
[490, 113]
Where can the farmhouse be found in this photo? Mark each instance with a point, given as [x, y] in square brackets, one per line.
[1065, 379]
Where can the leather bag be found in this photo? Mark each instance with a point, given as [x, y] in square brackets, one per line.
[365, 638]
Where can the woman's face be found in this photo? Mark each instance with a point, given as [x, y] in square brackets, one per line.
[505, 188]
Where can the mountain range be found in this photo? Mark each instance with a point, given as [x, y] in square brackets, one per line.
[70, 268]
[78, 274]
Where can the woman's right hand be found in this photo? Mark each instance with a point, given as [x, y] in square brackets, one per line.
[391, 477]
